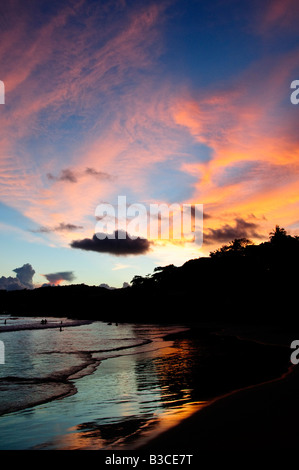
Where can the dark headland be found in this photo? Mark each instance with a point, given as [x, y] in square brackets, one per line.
[241, 287]
[239, 283]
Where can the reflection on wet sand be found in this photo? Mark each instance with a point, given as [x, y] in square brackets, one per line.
[151, 394]
[127, 434]
[136, 392]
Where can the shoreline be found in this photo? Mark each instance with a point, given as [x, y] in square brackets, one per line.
[259, 416]
[221, 382]
[123, 427]
[233, 432]
[41, 326]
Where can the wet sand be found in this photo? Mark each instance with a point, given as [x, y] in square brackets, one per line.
[263, 416]
[10, 326]
[247, 383]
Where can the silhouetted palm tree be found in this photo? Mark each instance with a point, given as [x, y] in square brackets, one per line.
[235, 247]
[279, 234]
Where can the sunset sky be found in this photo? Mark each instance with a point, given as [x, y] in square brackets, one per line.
[158, 101]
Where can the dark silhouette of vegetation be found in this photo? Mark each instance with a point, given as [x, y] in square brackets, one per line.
[236, 247]
[279, 235]
[239, 282]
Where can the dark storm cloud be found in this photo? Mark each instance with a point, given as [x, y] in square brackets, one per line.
[242, 229]
[23, 279]
[117, 246]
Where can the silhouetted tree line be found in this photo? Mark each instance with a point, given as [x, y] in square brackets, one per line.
[239, 282]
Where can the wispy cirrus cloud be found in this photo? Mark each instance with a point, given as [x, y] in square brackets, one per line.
[250, 128]
[80, 83]
[277, 17]
[119, 266]
[89, 118]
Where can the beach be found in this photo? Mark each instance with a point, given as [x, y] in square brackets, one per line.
[23, 323]
[144, 387]
[91, 386]
[262, 416]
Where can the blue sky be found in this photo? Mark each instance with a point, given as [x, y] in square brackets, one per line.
[163, 102]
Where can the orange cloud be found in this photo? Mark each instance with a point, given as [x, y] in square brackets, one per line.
[251, 130]
[48, 73]
[53, 77]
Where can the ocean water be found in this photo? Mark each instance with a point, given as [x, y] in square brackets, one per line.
[89, 386]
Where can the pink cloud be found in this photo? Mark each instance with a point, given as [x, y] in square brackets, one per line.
[250, 122]
[277, 16]
[48, 74]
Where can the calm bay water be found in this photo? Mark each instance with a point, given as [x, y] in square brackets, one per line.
[92, 386]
